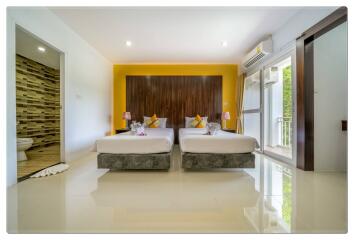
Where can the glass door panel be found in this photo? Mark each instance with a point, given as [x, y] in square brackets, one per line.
[252, 106]
[252, 125]
[278, 109]
[252, 94]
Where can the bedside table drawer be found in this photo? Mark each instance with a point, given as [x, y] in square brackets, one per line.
[229, 130]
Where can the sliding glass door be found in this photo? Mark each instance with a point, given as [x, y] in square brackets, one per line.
[252, 117]
[278, 108]
[269, 107]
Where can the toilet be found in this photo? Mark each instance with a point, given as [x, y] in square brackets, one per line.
[22, 145]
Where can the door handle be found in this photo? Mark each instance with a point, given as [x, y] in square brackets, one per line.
[344, 125]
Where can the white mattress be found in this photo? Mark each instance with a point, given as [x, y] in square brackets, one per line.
[157, 140]
[194, 140]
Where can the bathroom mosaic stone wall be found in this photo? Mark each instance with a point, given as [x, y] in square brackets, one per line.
[37, 101]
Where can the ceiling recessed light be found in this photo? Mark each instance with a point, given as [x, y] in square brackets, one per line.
[224, 44]
[128, 43]
[41, 49]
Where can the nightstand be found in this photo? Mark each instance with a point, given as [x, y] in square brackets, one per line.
[122, 130]
[229, 130]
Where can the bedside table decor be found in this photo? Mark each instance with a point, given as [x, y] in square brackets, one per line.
[126, 116]
[212, 128]
[138, 129]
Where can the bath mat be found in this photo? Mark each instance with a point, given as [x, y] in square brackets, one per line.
[51, 170]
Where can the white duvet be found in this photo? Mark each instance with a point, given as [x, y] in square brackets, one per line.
[195, 140]
[157, 140]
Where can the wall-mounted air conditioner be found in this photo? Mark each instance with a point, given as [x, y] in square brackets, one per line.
[259, 52]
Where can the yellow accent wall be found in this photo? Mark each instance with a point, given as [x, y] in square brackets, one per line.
[229, 74]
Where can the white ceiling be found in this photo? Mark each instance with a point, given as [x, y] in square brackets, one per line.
[175, 35]
[27, 46]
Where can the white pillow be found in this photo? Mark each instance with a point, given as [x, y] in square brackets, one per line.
[189, 120]
[163, 121]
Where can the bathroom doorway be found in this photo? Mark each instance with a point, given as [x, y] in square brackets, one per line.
[38, 104]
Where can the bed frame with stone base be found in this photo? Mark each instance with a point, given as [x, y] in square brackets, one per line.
[157, 161]
[217, 160]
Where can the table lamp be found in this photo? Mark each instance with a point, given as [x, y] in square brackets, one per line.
[126, 117]
[225, 116]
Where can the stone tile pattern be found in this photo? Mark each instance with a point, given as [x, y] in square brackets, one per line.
[134, 161]
[216, 160]
[37, 102]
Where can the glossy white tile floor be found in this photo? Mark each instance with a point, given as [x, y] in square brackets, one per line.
[270, 198]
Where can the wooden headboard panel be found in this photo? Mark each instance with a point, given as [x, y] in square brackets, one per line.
[174, 97]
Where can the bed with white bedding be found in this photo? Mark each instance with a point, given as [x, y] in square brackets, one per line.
[127, 151]
[223, 150]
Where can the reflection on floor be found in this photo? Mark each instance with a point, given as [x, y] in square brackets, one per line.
[39, 158]
[282, 151]
[273, 197]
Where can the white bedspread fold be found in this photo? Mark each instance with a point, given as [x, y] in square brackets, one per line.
[157, 140]
[195, 140]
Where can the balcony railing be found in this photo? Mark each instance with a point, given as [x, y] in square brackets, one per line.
[285, 131]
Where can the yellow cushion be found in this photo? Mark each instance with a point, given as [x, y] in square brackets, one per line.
[153, 122]
[198, 122]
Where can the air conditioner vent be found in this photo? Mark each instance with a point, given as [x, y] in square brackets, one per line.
[254, 60]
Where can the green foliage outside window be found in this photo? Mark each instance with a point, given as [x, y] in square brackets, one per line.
[287, 201]
[287, 106]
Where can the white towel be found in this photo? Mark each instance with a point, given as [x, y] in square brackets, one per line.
[51, 170]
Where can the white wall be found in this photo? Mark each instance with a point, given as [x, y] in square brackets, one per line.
[331, 99]
[298, 24]
[88, 81]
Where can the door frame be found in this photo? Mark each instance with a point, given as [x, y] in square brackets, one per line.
[11, 80]
[305, 86]
[63, 86]
[288, 52]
